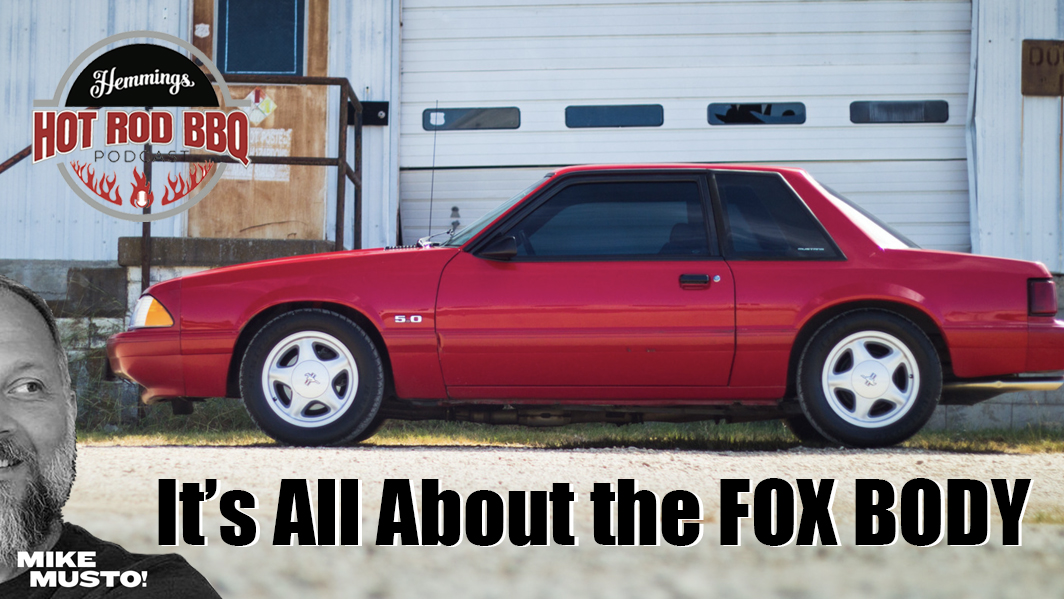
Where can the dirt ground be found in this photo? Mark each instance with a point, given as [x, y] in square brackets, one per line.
[116, 498]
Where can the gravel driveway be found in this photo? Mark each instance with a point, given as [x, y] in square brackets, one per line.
[115, 497]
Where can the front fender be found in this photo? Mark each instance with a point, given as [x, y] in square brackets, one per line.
[220, 304]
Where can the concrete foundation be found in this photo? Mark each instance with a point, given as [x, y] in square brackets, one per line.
[195, 251]
[73, 289]
[1037, 409]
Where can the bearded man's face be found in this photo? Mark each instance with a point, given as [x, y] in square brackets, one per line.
[37, 413]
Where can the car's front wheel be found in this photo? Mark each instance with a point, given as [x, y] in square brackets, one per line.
[312, 377]
[804, 430]
[869, 378]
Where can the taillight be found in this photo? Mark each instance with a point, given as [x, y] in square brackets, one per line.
[1041, 297]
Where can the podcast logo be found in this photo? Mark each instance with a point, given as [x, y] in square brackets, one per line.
[133, 94]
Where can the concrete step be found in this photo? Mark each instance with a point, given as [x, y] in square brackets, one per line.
[209, 252]
[73, 288]
[96, 292]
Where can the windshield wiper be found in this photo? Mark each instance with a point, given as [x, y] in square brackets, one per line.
[426, 242]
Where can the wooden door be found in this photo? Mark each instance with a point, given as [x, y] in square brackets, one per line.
[271, 201]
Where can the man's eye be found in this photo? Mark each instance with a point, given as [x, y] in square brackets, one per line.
[29, 387]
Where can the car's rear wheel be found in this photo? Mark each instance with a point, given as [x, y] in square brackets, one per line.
[869, 378]
[312, 377]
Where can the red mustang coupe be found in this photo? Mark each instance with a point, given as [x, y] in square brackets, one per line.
[611, 294]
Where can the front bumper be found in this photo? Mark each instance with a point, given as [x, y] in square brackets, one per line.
[151, 358]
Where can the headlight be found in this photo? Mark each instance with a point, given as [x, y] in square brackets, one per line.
[149, 313]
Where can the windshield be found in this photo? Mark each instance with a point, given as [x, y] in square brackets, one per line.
[470, 231]
[882, 233]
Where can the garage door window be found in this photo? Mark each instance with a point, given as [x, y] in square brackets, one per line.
[634, 115]
[780, 113]
[928, 111]
[450, 119]
[648, 220]
[766, 220]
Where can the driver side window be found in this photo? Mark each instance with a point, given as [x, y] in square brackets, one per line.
[648, 219]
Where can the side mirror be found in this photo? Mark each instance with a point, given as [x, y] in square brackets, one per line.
[504, 248]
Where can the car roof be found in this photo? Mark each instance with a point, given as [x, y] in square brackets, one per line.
[677, 166]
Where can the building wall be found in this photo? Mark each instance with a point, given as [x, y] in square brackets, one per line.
[544, 56]
[364, 40]
[808, 51]
[1014, 140]
[40, 216]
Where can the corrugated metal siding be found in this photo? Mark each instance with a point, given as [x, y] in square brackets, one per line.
[364, 47]
[546, 55]
[40, 217]
[1016, 140]
[473, 192]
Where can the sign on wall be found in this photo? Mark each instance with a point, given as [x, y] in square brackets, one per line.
[1042, 73]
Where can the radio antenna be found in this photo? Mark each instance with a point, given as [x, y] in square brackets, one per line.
[432, 180]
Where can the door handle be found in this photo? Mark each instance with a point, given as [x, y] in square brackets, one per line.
[694, 281]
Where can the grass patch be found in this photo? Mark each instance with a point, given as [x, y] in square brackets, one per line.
[189, 439]
[227, 424]
[1032, 439]
[216, 422]
[760, 436]
[224, 422]
[754, 436]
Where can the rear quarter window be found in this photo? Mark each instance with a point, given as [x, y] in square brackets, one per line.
[765, 220]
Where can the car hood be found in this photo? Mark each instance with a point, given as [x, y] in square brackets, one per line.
[310, 265]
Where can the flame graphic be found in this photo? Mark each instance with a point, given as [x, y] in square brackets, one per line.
[107, 188]
[181, 186]
[142, 197]
[103, 187]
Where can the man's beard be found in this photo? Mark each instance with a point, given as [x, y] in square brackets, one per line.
[26, 521]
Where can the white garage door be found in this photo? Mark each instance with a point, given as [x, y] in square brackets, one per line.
[684, 66]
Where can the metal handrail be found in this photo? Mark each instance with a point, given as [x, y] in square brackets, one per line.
[17, 158]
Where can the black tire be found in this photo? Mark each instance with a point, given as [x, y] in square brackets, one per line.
[370, 430]
[800, 427]
[884, 375]
[332, 348]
